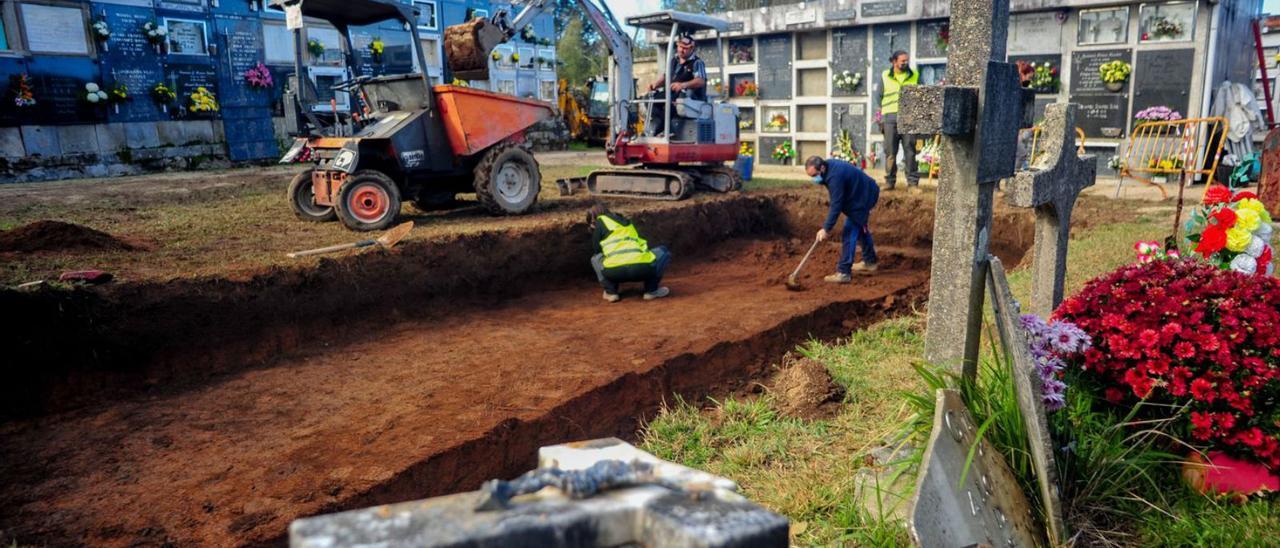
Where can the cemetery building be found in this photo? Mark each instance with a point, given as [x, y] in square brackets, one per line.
[50, 50]
[783, 60]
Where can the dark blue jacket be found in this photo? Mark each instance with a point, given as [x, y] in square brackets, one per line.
[852, 191]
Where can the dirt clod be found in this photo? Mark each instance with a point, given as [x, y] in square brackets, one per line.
[805, 390]
[59, 236]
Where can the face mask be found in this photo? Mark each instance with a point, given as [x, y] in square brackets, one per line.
[817, 179]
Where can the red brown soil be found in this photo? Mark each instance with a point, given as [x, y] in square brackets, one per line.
[419, 404]
[59, 236]
[804, 389]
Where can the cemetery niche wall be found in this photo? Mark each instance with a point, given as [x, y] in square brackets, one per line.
[173, 77]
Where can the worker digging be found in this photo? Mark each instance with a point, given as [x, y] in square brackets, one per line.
[622, 256]
[853, 193]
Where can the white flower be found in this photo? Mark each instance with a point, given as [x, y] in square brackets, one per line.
[1256, 246]
[101, 94]
[92, 98]
[91, 87]
[1244, 264]
[163, 31]
[1264, 231]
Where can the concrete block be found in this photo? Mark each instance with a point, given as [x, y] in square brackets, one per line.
[111, 138]
[41, 140]
[198, 131]
[11, 143]
[142, 134]
[219, 131]
[949, 110]
[171, 133]
[78, 139]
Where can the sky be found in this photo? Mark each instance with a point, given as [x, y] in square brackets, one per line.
[622, 9]
[1268, 6]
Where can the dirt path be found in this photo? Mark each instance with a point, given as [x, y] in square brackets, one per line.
[392, 418]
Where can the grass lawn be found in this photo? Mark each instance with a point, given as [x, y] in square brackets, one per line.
[806, 470]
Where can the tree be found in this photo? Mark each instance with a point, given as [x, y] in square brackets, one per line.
[579, 59]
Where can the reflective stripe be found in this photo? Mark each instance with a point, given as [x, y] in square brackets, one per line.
[892, 87]
[624, 246]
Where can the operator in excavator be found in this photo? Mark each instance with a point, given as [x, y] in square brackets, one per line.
[623, 256]
[689, 74]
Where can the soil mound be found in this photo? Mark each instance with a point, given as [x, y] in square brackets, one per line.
[805, 390]
[58, 236]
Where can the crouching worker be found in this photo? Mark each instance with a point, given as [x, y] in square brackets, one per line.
[853, 193]
[623, 256]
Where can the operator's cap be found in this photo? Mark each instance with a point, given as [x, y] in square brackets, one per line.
[685, 39]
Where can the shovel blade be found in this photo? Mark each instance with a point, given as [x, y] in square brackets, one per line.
[393, 236]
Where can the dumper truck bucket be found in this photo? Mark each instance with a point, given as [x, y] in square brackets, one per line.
[475, 119]
[467, 48]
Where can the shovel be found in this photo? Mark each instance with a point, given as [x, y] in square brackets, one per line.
[391, 238]
[794, 284]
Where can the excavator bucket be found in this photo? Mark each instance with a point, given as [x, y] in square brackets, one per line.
[467, 48]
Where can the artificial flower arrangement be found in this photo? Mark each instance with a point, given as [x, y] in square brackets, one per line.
[101, 30]
[1052, 344]
[1044, 77]
[22, 94]
[931, 153]
[154, 32]
[1115, 163]
[1232, 231]
[1151, 251]
[259, 77]
[1115, 72]
[119, 93]
[1158, 114]
[203, 100]
[315, 47]
[377, 47]
[1164, 28]
[746, 88]
[843, 149]
[515, 57]
[944, 37]
[847, 81]
[746, 150]
[778, 122]
[1166, 163]
[741, 54]
[1199, 344]
[713, 83]
[495, 56]
[93, 94]
[459, 83]
[163, 95]
[784, 152]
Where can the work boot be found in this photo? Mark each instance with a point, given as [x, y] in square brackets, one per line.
[657, 294]
[888, 185]
[838, 278]
[864, 269]
[612, 297]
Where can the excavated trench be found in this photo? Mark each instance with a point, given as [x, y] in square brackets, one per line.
[214, 412]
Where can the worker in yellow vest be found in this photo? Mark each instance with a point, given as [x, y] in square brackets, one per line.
[892, 81]
[623, 256]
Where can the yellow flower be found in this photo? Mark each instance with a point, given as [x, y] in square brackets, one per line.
[1248, 219]
[1256, 206]
[1238, 239]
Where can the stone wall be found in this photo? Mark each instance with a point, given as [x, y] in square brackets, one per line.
[42, 153]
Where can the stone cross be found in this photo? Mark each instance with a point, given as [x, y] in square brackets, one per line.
[706, 512]
[978, 114]
[1051, 186]
[987, 508]
[1027, 385]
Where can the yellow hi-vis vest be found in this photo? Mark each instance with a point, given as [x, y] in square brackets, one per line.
[893, 87]
[624, 246]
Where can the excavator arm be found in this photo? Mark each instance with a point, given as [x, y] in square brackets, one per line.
[468, 45]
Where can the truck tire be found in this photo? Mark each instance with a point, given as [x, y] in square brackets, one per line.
[507, 180]
[369, 200]
[302, 200]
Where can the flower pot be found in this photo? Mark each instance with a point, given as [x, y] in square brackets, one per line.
[745, 165]
[1115, 86]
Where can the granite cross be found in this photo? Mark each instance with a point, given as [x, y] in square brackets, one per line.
[1051, 186]
[978, 114]
[1027, 386]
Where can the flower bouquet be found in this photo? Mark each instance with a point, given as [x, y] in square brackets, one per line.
[259, 77]
[1115, 74]
[1151, 251]
[1232, 232]
[1052, 343]
[315, 48]
[847, 81]
[1164, 28]
[1044, 79]
[746, 88]
[1158, 114]
[163, 95]
[844, 148]
[784, 152]
[155, 34]
[944, 37]
[93, 94]
[746, 150]
[102, 32]
[22, 94]
[203, 100]
[929, 156]
[778, 122]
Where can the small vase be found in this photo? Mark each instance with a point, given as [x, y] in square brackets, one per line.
[1115, 86]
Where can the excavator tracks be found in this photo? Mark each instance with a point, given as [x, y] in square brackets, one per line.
[654, 184]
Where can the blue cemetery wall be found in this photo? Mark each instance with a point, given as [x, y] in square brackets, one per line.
[212, 43]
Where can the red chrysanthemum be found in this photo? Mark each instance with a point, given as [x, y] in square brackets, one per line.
[1217, 194]
[1225, 218]
[1202, 390]
[1244, 195]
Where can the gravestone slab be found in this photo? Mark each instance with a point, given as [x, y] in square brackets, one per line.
[128, 41]
[1163, 78]
[774, 62]
[1102, 115]
[11, 143]
[139, 76]
[1085, 77]
[1035, 33]
[142, 134]
[41, 140]
[884, 8]
[988, 508]
[111, 138]
[241, 49]
[765, 154]
[852, 118]
[185, 79]
[886, 39]
[1027, 384]
[672, 506]
[1051, 187]
[929, 43]
[849, 52]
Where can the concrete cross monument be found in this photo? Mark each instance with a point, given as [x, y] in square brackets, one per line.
[1051, 186]
[978, 113]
